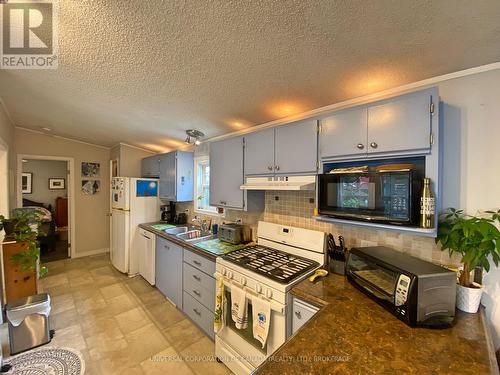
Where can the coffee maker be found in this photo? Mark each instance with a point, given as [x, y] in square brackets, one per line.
[168, 213]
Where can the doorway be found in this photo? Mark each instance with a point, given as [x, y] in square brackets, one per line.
[45, 184]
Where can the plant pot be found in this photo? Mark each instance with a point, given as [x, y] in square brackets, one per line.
[468, 299]
[9, 226]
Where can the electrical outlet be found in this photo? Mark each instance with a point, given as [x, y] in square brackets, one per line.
[239, 221]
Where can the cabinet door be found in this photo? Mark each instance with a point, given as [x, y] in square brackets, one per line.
[169, 270]
[343, 133]
[259, 153]
[184, 176]
[302, 312]
[150, 166]
[167, 176]
[401, 124]
[226, 173]
[296, 147]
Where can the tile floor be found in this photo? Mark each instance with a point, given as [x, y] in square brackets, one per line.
[121, 325]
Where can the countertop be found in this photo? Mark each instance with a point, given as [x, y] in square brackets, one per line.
[216, 248]
[352, 334]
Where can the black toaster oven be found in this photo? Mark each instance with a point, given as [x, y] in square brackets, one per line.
[417, 292]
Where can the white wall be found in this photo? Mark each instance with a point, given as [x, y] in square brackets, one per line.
[42, 170]
[471, 113]
[129, 159]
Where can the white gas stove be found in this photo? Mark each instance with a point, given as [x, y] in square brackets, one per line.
[282, 257]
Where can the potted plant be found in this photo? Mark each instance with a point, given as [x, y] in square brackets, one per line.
[24, 228]
[476, 239]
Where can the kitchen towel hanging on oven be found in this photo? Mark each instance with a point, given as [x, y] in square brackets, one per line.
[219, 305]
[239, 311]
[261, 314]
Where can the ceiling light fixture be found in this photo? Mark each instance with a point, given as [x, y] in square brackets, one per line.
[193, 137]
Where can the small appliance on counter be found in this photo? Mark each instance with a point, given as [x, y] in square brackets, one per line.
[168, 212]
[235, 233]
[181, 218]
[417, 292]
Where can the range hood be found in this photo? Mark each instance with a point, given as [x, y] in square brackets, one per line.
[280, 183]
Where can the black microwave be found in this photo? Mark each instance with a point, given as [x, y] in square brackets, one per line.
[390, 197]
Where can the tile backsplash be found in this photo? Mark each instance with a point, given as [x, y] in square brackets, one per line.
[296, 208]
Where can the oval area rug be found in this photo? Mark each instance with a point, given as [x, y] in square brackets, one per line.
[47, 361]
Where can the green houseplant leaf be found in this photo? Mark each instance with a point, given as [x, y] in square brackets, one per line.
[475, 238]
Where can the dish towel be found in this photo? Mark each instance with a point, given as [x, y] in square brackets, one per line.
[239, 311]
[261, 314]
[219, 305]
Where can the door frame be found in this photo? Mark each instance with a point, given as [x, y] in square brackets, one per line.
[70, 190]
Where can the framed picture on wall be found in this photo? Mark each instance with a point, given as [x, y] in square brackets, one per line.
[91, 187]
[27, 183]
[57, 184]
[91, 169]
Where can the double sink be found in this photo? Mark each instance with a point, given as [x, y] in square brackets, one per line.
[190, 234]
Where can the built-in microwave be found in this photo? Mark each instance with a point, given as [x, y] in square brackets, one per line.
[390, 197]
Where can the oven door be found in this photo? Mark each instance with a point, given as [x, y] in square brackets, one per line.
[241, 342]
[370, 196]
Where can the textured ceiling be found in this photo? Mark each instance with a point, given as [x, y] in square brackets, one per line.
[143, 72]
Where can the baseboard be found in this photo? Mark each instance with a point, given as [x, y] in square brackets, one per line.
[90, 252]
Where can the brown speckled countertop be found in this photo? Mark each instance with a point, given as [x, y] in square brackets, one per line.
[352, 334]
[174, 239]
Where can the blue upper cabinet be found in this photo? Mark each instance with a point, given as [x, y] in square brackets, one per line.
[402, 124]
[344, 134]
[226, 173]
[296, 148]
[259, 152]
[176, 176]
[286, 149]
[150, 167]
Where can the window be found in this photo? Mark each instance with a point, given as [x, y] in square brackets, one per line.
[202, 186]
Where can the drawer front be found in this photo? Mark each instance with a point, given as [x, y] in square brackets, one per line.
[302, 312]
[200, 286]
[202, 263]
[199, 314]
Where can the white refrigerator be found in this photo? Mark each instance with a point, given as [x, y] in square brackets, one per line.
[133, 201]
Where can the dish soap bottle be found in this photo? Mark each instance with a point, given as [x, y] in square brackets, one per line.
[427, 206]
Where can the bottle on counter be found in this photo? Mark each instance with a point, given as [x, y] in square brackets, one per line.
[427, 206]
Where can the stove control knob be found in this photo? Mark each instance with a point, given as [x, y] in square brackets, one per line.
[223, 271]
[243, 281]
[258, 288]
[269, 293]
[229, 275]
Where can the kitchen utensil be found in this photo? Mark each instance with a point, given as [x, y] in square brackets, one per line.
[319, 273]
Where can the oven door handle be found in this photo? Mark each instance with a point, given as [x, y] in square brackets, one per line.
[276, 307]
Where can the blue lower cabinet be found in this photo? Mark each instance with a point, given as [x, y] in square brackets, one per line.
[169, 270]
[199, 314]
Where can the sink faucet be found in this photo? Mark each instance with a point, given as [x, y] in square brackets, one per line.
[204, 224]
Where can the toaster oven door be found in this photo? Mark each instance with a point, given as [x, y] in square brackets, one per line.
[376, 280]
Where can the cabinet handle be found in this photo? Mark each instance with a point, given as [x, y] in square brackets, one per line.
[360, 146]
[197, 293]
[277, 167]
[197, 278]
[197, 263]
[197, 312]
[298, 314]
[373, 145]
[270, 167]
